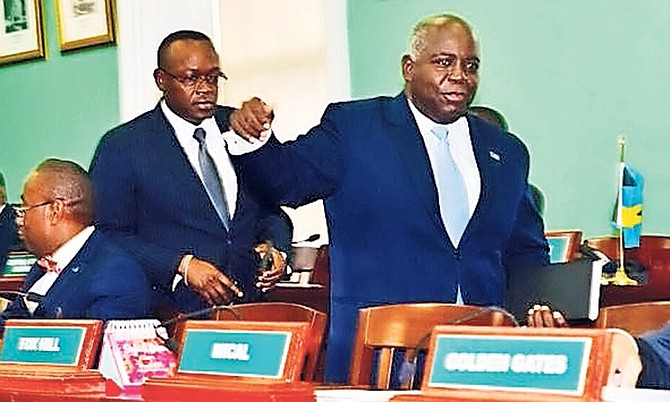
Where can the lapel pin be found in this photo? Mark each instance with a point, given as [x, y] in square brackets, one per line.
[75, 269]
[494, 155]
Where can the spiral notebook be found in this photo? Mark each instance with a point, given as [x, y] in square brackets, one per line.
[132, 352]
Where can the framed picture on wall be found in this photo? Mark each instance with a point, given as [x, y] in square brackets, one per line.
[21, 31]
[85, 23]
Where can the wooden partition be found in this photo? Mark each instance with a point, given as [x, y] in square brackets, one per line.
[653, 254]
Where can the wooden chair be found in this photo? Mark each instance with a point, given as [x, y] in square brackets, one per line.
[568, 240]
[278, 311]
[385, 329]
[653, 254]
[636, 318]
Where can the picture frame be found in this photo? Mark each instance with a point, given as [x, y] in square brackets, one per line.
[85, 23]
[21, 31]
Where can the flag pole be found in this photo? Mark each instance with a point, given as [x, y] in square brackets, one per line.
[620, 277]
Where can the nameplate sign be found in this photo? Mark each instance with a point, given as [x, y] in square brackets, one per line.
[558, 249]
[242, 349]
[549, 361]
[49, 342]
[18, 263]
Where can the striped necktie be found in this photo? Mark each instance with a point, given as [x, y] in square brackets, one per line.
[211, 179]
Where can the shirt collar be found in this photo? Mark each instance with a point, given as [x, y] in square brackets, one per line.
[458, 128]
[65, 253]
[183, 128]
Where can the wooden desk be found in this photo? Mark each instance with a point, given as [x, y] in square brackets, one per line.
[11, 282]
[315, 294]
[653, 254]
[310, 295]
[611, 295]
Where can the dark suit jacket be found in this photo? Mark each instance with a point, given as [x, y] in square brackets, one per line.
[154, 205]
[388, 244]
[655, 357]
[8, 236]
[101, 282]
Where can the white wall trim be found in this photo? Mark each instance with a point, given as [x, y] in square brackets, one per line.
[141, 27]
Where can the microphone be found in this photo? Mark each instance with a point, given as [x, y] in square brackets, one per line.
[198, 313]
[311, 238]
[30, 296]
[407, 369]
[592, 253]
[170, 342]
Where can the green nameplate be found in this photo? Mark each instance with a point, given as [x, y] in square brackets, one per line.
[42, 345]
[558, 249]
[511, 363]
[243, 353]
[19, 264]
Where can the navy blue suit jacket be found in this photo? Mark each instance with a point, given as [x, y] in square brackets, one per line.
[388, 244]
[154, 205]
[655, 356]
[8, 236]
[101, 282]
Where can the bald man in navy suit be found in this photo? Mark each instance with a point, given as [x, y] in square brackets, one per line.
[397, 234]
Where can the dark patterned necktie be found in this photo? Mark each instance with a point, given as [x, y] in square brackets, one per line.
[211, 179]
[48, 264]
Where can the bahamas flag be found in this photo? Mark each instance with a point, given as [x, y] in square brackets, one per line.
[628, 210]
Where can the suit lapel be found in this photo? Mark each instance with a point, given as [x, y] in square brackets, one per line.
[63, 287]
[414, 156]
[175, 163]
[489, 160]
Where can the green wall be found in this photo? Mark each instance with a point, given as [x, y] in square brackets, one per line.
[58, 107]
[569, 75]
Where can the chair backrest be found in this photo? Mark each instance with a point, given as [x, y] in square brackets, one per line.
[287, 312]
[386, 329]
[636, 318]
[568, 240]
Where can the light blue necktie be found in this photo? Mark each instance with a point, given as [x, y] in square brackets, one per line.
[451, 189]
[211, 179]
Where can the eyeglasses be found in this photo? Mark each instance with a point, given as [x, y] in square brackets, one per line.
[21, 211]
[195, 79]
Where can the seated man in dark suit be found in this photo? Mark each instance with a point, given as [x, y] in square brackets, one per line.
[79, 273]
[8, 236]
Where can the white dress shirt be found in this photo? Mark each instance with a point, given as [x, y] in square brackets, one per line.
[62, 256]
[460, 146]
[216, 146]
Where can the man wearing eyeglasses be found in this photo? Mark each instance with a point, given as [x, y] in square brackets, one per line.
[80, 273]
[168, 192]
[8, 237]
